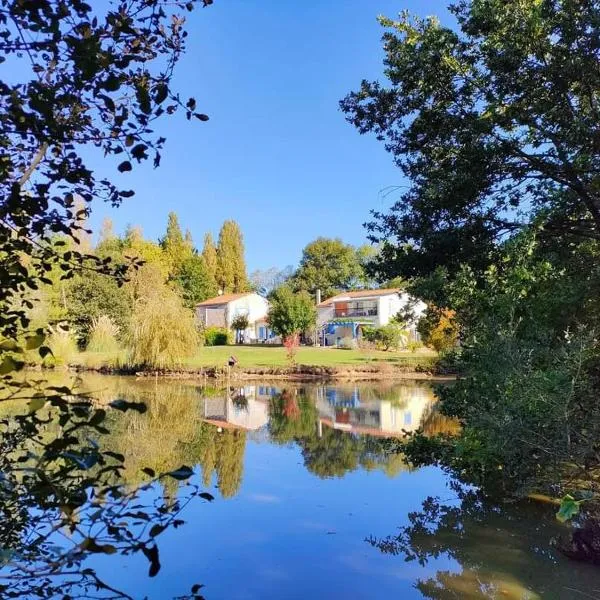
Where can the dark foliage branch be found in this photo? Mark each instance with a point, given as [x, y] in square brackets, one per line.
[494, 123]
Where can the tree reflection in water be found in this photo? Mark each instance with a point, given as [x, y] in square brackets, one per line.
[63, 497]
[502, 551]
[96, 470]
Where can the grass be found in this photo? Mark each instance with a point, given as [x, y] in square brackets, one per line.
[270, 356]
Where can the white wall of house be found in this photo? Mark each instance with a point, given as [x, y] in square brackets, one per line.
[388, 306]
[255, 307]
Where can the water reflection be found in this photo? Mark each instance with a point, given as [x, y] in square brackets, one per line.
[306, 471]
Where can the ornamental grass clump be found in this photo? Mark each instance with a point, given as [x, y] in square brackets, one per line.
[103, 336]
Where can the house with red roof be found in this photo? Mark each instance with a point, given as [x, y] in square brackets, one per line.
[220, 311]
[342, 316]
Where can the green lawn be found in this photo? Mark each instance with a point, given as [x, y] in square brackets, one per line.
[259, 356]
[275, 356]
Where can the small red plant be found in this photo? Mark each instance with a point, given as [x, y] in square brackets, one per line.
[291, 343]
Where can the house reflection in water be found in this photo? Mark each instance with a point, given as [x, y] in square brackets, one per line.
[389, 412]
[241, 408]
[383, 410]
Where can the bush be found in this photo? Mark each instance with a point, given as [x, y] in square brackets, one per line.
[347, 343]
[439, 328]
[217, 336]
[414, 345]
[388, 337]
[103, 335]
[64, 348]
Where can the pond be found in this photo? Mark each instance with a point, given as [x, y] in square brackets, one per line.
[306, 491]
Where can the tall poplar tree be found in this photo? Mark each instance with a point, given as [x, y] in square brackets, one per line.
[231, 264]
[176, 247]
[209, 256]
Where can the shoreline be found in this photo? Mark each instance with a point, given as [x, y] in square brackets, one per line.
[296, 373]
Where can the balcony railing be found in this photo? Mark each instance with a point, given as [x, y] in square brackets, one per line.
[355, 312]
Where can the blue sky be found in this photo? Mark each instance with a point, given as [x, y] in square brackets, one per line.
[277, 155]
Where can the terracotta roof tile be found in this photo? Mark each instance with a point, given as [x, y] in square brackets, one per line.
[223, 299]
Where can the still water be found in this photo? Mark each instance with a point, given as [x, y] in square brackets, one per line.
[303, 477]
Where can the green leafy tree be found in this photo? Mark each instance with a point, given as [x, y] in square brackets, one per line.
[493, 122]
[88, 78]
[176, 247]
[193, 281]
[209, 256]
[231, 263]
[91, 295]
[163, 331]
[328, 265]
[291, 313]
[239, 324]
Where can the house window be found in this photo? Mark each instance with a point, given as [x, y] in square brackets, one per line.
[262, 333]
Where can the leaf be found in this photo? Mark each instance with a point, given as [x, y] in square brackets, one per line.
[9, 346]
[98, 417]
[207, 496]
[8, 365]
[34, 341]
[139, 151]
[201, 116]
[115, 455]
[124, 166]
[152, 555]
[182, 473]
[91, 545]
[44, 351]
[162, 91]
[124, 406]
[156, 530]
[36, 403]
[569, 507]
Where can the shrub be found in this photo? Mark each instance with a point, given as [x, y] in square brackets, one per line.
[414, 345]
[348, 343]
[291, 343]
[388, 337]
[64, 348]
[439, 328]
[217, 336]
[103, 335]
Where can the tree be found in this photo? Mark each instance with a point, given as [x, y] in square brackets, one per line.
[91, 295]
[231, 264]
[266, 281]
[163, 332]
[494, 122]
[239, 324]
[193, 281]
[209, 256]
[177, 249]
[291, 313]
[439, 328]
[88, 78]
[328, 265]
[77, 90]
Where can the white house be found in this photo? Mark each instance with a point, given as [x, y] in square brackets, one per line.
[222, 310]
[342, 316]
